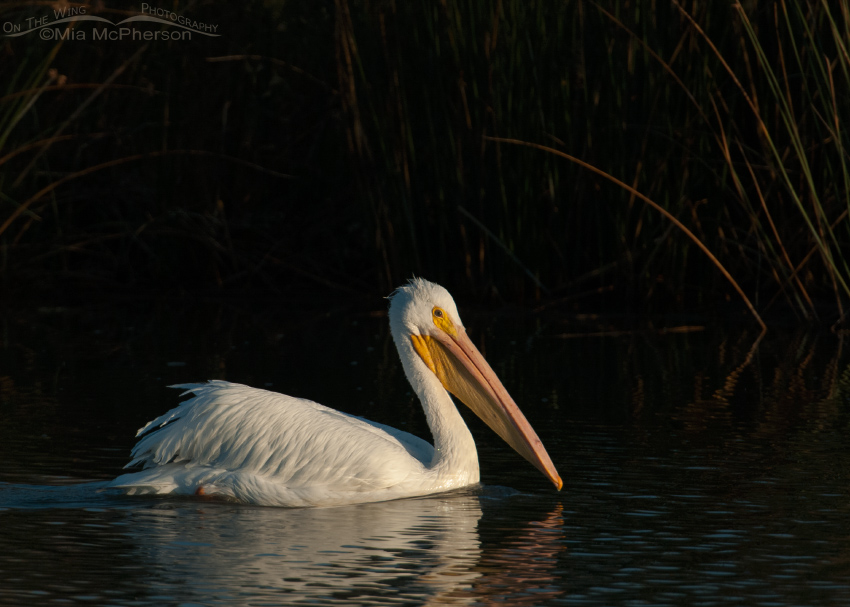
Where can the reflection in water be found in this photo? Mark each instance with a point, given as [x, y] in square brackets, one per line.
[524, 570]
[412, 549]
[422, 551]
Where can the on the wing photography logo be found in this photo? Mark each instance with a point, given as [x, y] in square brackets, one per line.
[57, 26]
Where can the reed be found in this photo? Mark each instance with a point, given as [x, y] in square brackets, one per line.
[131, 169]
[349, 145]
[806, 146]
[735, 132]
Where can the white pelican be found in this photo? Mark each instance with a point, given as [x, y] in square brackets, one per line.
[266, 448]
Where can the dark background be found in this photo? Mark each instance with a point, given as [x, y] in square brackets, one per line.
[319, 151]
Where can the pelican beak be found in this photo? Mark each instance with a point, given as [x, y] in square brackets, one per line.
[462, 370]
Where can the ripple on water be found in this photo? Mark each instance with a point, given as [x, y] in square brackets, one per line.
[679, 493]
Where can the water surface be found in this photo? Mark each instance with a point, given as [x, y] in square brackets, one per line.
[700, 468]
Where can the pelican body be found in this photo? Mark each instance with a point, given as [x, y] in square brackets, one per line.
[266, 448]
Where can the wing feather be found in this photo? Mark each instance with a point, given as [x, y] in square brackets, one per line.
[236, 429]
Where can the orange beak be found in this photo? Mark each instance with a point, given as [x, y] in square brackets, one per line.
[462, 370]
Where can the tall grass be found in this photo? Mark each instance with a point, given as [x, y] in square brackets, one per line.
[348, 145]
[736, 132]
[170, 166]
[805, 148]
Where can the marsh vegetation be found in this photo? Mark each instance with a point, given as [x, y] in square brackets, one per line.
[611, 155]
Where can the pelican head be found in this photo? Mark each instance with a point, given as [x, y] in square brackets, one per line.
[423, 316]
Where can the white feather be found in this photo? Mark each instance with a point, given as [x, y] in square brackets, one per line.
[268, 448]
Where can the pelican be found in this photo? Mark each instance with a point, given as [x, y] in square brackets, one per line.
[259, 447]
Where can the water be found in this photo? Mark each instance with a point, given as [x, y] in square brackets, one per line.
[700, 468]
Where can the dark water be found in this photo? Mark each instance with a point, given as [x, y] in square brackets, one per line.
[700, 468]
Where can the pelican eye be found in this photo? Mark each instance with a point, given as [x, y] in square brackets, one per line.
[443, 322]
